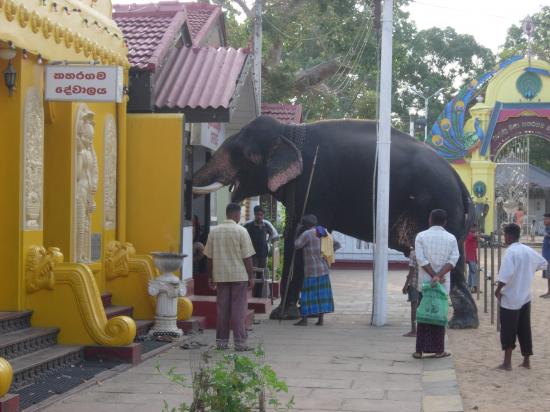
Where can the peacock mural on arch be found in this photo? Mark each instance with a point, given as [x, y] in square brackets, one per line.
[447, 135]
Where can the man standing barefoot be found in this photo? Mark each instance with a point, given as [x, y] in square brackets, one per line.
[514, 294]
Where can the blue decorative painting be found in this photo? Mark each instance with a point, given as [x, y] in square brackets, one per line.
[447, 135]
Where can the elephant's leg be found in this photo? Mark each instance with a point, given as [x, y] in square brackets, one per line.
[464, 307]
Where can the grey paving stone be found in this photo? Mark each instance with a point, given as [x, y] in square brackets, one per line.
[347, 365]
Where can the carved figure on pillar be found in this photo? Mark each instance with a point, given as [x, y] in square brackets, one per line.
[87, 174]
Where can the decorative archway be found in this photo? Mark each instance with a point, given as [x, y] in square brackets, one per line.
[488, 115]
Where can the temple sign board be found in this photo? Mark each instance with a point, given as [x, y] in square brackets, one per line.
[83, 83]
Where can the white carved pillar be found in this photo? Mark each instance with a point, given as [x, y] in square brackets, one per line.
[109, 172]
[86, 176]
[33, 160]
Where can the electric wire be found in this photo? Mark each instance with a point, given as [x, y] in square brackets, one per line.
[354, 56]
[349, 79]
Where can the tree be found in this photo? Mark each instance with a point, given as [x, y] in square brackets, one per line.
[324, 55]
[516, 41]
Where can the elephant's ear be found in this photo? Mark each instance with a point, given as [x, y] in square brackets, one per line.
[283, 164]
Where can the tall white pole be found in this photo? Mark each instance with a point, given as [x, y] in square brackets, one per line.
[258, 53]
[383, 184]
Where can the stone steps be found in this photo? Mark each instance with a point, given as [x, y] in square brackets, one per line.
[28, 368]
[32, 352]
[205, 306]
[195, 324]
[113, 311]
[23, 341]
[12, 321]
[143, 326]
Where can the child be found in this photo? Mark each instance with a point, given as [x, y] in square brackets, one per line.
[411, 288]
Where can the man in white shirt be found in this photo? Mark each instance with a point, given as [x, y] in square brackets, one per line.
[436, 255]
[514, 294]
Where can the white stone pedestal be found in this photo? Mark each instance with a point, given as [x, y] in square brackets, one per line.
[167, 288]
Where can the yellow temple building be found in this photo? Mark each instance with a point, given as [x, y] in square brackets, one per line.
[63, 173]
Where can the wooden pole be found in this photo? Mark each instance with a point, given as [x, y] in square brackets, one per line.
[293, 259]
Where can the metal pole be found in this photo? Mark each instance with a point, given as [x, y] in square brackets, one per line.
[492, 278]
[383, 184]
[478, 266]
[485, 267]
[258, 54]
[499, 259]
[426, 125]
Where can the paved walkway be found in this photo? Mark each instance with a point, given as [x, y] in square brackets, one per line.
[345, 365]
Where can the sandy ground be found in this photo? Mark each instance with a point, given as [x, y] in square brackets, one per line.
[477, 352]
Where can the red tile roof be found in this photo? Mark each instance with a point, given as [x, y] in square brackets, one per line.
[285, 113]
[200, 17]
[150, 29]
[200, 77]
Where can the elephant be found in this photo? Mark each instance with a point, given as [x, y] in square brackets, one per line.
[269, 157]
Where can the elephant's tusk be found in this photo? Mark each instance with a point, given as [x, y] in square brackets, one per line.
[204, 190]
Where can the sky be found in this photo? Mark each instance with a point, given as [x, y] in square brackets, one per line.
[486, 20]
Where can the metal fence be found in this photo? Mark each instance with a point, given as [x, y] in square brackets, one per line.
[489, 260]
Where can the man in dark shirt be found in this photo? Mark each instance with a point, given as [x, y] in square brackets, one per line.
[259, 233]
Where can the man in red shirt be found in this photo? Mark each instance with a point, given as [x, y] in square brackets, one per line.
[471, 258]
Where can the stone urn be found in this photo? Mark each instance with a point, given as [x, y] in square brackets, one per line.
[167, 288]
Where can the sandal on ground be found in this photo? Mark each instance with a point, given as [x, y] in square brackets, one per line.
[417, 355]
[244, 348]
[442, 355]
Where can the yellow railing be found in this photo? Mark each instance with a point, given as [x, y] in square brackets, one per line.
[72, 302]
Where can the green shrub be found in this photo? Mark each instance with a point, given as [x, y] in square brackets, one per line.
[234, 383]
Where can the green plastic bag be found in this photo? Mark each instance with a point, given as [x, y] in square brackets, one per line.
[434, 306]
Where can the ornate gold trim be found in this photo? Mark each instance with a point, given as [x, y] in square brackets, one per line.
[117, 256]
[36, 22]
[47, 27]
[23, 15]
[39, 267]
[58, 32]
[69, 37]
[77, 43]
[117, 331]
[10, 9]
[6, 376]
